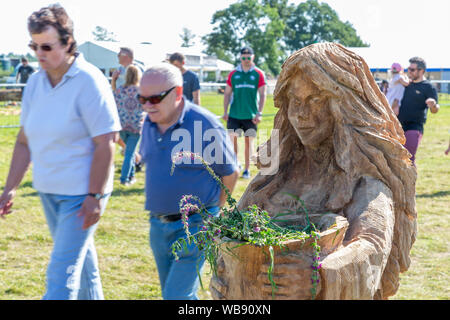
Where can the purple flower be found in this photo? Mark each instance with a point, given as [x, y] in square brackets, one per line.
[256, 229]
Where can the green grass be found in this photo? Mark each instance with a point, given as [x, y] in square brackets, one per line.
[127, 267]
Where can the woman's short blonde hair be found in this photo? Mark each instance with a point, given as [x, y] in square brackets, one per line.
[133, 76]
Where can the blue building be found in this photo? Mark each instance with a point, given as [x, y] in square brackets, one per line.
[380, 60]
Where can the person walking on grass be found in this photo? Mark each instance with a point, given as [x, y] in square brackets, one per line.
[131, 118]
[69, 125]
[173, 125]
[242, 89]
[24, 72]
[419, 96]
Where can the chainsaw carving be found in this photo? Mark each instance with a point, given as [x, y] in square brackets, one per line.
[340, 150]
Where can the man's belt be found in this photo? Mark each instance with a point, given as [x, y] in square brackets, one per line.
[172, 217]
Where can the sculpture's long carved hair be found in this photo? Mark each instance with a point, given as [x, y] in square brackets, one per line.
[367, 138]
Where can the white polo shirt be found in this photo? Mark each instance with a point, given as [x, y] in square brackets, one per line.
[60, 123]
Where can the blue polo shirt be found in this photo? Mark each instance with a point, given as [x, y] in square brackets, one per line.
[199, 131]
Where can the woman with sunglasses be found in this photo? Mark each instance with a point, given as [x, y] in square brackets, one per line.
[69, 124]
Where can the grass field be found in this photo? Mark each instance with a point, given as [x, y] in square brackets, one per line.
[127, 267]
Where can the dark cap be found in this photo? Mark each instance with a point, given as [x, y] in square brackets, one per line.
[246, 50]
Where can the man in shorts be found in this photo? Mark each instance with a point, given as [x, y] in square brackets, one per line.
[243, 86]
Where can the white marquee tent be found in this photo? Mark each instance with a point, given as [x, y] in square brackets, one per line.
[103, 54]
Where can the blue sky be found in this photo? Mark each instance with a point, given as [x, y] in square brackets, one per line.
[385, 24]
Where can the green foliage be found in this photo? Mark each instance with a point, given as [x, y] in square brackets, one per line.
[247, 22]
[274, 29]
[187, 38]
[312, 22]
[102, 34]
[252, 226]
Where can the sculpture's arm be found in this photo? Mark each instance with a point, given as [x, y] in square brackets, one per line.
[354, 271]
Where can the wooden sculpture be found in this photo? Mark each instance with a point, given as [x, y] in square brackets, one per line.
[340, 150]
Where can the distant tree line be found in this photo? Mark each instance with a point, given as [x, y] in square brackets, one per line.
[275, 29]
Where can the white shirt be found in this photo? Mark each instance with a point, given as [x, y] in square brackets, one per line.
[60, 123]
[395, 90]
[121, 78]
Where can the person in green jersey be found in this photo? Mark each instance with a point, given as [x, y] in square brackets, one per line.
[244, 84]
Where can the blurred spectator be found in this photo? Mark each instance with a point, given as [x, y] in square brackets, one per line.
[126, 58]
[191, 84]
[24, 72]
[396, 87]
[244, 84]
[384, 86]
[131, 118]
[419, 96]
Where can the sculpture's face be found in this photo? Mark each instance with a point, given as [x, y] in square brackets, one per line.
[308, 111]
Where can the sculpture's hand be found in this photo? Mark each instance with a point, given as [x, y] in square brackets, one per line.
[292, 276]
[355, 270]
[218, 285]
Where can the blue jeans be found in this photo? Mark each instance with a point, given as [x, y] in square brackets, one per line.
[131, 141]
[72, 272]
[179, 279]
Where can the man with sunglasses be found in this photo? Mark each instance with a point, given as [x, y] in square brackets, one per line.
[126, 57]
[175, 124]
[419, 96]
[243, 86]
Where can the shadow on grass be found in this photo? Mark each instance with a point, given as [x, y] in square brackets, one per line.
[127, 192]
[115, 193]
[28, 184]
[434, 195]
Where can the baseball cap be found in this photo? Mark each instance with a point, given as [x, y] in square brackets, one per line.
[396, 67]
[246, 50]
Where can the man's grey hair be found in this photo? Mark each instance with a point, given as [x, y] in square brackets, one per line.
[171, 74]
[128, 51]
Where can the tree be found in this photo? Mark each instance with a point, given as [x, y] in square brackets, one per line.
[187, 38]
[251, 23]
[274, 29]
[102, 34]
[312, 22]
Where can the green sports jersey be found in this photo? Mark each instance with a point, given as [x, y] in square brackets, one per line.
[245, 85]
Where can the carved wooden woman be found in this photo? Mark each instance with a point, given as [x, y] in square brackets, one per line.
[340, 150]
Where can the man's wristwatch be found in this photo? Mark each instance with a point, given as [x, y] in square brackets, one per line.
[259, 113]
[97, 196]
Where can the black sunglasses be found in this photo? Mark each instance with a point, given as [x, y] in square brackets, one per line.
[44, 47]
[246, 58]
[154, 99]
